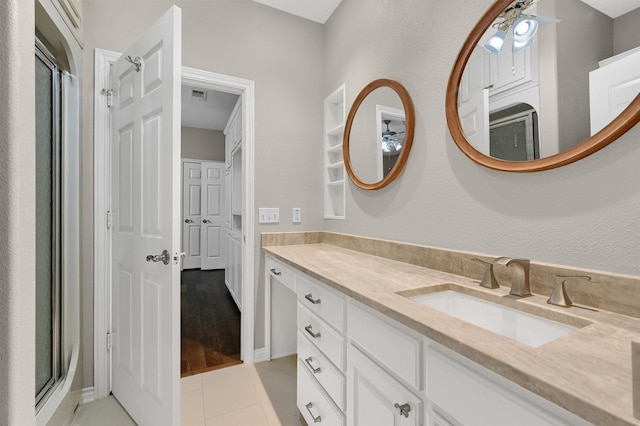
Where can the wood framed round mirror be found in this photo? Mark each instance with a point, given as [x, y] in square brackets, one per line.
[376, 146]
[564, 150]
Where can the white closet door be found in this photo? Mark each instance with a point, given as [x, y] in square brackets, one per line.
[191, 213]
[211, 231]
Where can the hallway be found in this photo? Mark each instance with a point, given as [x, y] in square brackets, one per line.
[210, 323]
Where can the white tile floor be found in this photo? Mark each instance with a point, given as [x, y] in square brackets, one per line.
[243, 395]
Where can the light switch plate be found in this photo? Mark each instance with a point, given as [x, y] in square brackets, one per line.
[269, 215]
[297, 215]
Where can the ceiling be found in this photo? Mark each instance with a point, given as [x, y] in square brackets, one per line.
[314, 10]
[211, 114]
[613, 8]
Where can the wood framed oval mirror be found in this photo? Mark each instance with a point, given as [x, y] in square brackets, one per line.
[517, 113]
[377, 144]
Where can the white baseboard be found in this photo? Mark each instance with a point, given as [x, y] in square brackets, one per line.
[87, 396]
[260, 355]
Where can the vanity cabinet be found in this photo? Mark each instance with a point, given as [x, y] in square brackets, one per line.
[359, 367]
[321, 352]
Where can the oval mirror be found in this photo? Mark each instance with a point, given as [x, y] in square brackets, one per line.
[541, 84]
[378, 134]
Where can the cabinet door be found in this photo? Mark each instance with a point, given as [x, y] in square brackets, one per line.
[227, 198]
[229, 259]
[374, 397]
[238, 270]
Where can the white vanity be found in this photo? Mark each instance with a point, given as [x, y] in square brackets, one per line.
[369, 355]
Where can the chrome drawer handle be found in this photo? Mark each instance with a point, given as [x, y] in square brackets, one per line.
[405, 409]
[310, 298]
[315, 419]
[309, 330]
[315, 370]
[274, 271]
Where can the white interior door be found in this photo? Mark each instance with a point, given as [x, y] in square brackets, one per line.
[191, 213]
[612, 88]
[211, 238]
[145, 185]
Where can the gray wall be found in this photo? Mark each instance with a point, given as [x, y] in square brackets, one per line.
[626, 35]
[585, 36]
[280, 52]
[582, 215]
[17, 213]
[202, 144]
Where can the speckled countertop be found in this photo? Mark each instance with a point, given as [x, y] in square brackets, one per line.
[588, 372]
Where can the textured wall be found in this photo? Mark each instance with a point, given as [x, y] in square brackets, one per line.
[584, 214]
[17, 213]
[626, 35]
[202, 144]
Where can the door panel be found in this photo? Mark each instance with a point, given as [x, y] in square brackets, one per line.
[145, 170]
[212, 215]
[191, 213]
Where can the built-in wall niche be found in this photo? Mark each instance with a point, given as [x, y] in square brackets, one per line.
[334, 173]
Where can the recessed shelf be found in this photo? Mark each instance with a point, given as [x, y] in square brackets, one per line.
[334, 182]
[335, 148]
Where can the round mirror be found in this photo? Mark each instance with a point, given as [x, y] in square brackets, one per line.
[378, 134]
[540, 84]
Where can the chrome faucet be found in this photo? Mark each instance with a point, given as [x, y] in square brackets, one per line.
[519, 275]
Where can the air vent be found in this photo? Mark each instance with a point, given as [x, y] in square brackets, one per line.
[199, 95]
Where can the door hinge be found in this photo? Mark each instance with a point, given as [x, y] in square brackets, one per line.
[109, 219]
[109, 94]
[108, 340]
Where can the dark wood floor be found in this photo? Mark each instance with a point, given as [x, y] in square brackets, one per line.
[210, 323]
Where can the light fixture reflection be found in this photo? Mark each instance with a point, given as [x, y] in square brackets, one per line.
[494, 45]
[523, 31]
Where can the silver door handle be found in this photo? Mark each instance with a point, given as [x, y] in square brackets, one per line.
[206, 221]
[314, 369]
[188, 221]
[404, 409]
[165, 257]
[310, 298]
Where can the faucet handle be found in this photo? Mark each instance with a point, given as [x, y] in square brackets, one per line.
[489, 279]
[559, 296]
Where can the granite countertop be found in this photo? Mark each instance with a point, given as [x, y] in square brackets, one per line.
[588, 372]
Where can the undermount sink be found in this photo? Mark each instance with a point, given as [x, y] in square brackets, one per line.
[526, 328]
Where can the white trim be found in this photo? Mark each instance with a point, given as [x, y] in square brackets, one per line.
[260, 355]
[102, 236]
[102, 295]
[87, 396]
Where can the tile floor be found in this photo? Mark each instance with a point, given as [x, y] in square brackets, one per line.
[262, 394]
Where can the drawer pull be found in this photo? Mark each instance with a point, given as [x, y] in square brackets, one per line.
[274, 271]
[309, 330]
[310, 298]
[404, 409]
[315, 419]
[315, 370]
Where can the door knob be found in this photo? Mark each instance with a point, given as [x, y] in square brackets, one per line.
[206, 221]
[165, 257]
[188, 221]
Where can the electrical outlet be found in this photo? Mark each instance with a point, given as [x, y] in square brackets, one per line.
[297, 215]
[268, 215]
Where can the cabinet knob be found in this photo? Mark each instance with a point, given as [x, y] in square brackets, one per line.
[206, 221]
[404, 409]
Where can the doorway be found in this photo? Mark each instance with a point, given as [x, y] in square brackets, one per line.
[102, 249]
[210, 301]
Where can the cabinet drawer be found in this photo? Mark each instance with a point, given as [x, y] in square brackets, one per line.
[392, 347]
[329, 341]
[280, 272]
[313, 403]
[317, 364]
[322, 301]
